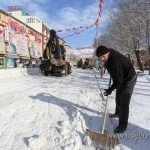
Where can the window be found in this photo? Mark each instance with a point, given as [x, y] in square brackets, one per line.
[30, 20]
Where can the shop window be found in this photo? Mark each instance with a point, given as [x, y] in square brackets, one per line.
[10, 63]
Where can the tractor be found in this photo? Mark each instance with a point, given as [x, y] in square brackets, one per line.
[55, 57]
[87, 63]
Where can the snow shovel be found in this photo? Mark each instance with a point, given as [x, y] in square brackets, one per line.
[103, 140]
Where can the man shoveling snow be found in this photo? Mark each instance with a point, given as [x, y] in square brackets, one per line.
[124, 79]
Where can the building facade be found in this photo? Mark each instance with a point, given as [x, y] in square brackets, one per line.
[23, 38]
[32, 21]
[20, 45]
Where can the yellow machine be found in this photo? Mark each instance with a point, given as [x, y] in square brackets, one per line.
[88, 63]
[56, 57]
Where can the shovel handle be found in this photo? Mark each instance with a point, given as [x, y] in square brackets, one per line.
[105, 112]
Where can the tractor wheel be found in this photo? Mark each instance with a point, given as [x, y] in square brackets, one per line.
[46, 73]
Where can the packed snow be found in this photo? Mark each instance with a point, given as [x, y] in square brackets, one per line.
[53, 113]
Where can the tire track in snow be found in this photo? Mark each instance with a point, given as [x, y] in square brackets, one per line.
[15, 140]
[9, 125]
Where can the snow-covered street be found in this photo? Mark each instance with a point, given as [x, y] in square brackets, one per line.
[52, 113]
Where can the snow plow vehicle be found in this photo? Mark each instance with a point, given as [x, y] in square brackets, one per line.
[55, 57]
[87, 63]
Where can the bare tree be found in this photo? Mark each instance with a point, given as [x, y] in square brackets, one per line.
[128, 28]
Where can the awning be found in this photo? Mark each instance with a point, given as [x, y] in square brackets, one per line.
[2, 54]
[12, 56]
[24, 57]
[35, 57]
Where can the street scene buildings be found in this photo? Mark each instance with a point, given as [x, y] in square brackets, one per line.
[22, 38]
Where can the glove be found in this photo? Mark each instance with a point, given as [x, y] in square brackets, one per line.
[107, 92]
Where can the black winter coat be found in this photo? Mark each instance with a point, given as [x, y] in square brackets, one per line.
[120, 68]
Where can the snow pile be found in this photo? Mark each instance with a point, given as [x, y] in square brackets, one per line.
[7, 73]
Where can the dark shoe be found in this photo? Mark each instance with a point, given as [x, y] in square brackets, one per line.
[120, 129]
[114, 116]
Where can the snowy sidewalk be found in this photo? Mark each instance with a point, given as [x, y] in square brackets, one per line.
[38, 112]
[52, 113]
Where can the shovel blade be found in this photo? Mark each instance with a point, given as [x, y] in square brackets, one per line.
[103, 140]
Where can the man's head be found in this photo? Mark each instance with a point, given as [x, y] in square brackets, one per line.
[102, 53]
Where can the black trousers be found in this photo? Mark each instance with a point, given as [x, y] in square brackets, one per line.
[123, 96]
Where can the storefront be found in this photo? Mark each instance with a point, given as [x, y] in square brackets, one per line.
[2, 62]
[34, 46]
[11, 57]
[2, 48]
[12, 61]
[24, 61]
[34, 58]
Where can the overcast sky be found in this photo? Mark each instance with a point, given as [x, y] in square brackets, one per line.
[66, 14]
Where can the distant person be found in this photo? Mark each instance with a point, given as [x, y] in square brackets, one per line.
[124, 79]
[80, 63]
